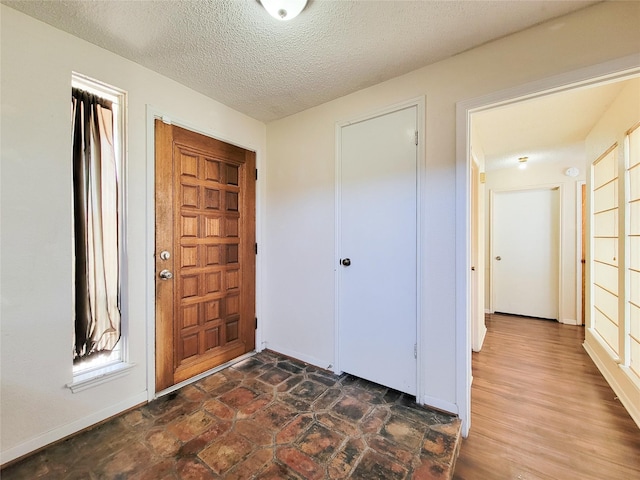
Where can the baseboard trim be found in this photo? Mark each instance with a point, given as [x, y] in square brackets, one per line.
[439, 404]
[483, 335]
[202, 375]
[52, 436]
[570, 321]
[300, 356]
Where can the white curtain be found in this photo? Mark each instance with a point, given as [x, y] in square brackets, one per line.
[96, 226]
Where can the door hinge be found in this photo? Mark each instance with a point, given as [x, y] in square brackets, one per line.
[256, 173]
[256, 324]
[415, 350]
[416, 137]
[256, 248]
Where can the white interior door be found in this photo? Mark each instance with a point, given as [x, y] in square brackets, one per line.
[377, 301]
[525, 252]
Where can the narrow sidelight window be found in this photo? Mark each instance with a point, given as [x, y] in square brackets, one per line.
[97, 228]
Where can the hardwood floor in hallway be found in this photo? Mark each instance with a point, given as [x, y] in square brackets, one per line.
[542, 410]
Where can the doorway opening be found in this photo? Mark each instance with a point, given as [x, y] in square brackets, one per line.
[379, 169]
[588, 78]
[525, 267]
[204, 254]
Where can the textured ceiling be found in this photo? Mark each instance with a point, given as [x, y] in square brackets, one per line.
[544, 129]
[234, 52]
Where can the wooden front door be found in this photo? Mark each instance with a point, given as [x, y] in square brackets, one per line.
[204, 253]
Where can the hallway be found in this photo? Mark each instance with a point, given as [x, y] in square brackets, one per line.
[542, 410]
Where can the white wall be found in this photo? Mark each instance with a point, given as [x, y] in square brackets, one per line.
[623, 113]
[541, 175]
[37, 61]
[300, 257]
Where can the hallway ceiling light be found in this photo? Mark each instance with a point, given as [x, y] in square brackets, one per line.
[284, 9]
[522, 162]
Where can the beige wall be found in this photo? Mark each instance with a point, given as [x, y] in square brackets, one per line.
[36, 358]
[623, 113]
[300, 258]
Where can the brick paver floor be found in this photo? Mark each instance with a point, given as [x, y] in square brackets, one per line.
[267, 417]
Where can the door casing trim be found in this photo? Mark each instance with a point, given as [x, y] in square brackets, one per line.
[153, 113]
[579, 252]
[420, 104]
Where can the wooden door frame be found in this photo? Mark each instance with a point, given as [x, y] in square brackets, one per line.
[580, 232]
[616, 69]
[546, 187]
[420, 105]
[153, 113]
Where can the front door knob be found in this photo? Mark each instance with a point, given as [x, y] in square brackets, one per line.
[345, 262]
[165, 275]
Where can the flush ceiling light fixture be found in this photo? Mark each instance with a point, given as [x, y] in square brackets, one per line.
[522, 162]
[284, 9]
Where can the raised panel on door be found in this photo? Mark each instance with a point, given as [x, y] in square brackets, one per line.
[607, 328]
[378, 295]
[606, 223]
[605, 169]
[607, 302]
[634, 218]
[634, 182]
[605, 250]
[606, 197]
[205, 220]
